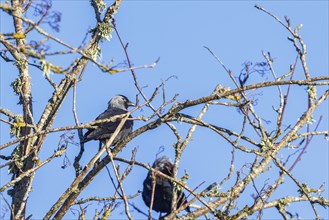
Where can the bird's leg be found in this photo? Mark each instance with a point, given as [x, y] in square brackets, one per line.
[100, 146]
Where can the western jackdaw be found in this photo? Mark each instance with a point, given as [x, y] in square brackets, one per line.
[116, 106]
[162, 197]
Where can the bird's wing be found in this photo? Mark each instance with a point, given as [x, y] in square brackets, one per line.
[106, 114]
[110, 127]
[105, 130]
[90, 134]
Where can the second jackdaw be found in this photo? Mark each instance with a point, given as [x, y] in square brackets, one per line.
[116, 106]
[162, 197]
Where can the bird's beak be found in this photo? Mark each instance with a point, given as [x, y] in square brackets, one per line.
[129, 103]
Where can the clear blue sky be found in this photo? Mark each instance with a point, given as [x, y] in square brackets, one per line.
[176, 31]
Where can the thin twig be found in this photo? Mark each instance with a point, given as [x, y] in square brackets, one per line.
[171, 126]
[27, 173]
[124, 197]
[282, 167]
[308, 141]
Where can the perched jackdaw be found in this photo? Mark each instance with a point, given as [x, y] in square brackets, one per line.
[163, 188]
[116, 106]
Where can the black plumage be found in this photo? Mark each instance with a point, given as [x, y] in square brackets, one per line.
[116, 106]
[163, 188]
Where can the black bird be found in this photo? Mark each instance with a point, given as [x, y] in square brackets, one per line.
[116, 106]
[163, 188]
